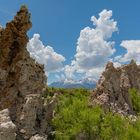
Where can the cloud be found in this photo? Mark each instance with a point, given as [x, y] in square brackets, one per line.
[59, 77]
[45, 54]
[69, 72]
[104, 24]
[93, 47]
[132, 51]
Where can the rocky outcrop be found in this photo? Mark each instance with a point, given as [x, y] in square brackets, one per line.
[37, 137]
[7, 127]
[21, 80]
[113, 86]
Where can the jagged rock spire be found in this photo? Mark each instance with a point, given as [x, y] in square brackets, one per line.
[112, 91]
[13, 38]
[21, 79]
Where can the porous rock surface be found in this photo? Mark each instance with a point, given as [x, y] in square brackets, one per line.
[7, 127]
[112, 91]
[21, 83]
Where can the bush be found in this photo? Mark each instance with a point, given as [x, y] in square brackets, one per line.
[75, 120]
[135, 98]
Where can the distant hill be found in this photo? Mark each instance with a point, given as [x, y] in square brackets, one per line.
[79, 84]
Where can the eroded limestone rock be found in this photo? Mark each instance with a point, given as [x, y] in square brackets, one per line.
[113, 86]
[7, 127]
[21, 79]
[37, 137]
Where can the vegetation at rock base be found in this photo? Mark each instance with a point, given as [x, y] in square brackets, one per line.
[76, 120]
[135, 98]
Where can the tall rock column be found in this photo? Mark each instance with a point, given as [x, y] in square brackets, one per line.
[21, 78]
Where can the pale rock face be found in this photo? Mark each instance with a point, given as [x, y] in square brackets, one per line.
[21, 79]
[30, 113]
[37, 137]
[7, 127]
[113, 86]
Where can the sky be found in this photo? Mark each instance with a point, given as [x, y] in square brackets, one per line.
[74, 39]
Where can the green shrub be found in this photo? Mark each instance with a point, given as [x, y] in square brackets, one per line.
[75, 119]
[135, 98]
[112, 127]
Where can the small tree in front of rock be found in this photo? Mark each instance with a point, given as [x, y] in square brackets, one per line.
[135, 98]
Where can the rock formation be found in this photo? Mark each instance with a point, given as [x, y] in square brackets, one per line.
[7, 127]
[21, 83]
[113, 86]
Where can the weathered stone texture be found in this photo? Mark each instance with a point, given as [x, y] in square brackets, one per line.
[21, 79]
[7, 127]
[113, 86]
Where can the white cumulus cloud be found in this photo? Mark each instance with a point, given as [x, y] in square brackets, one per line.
[45, 54]
[93, 46]
[132, 51]
[104, 24]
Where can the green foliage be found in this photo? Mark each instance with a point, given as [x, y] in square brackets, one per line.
[75, 120]
[113, 127]
[135, 98]
[73, 116]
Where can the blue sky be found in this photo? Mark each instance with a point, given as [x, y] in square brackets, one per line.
[59, 22]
